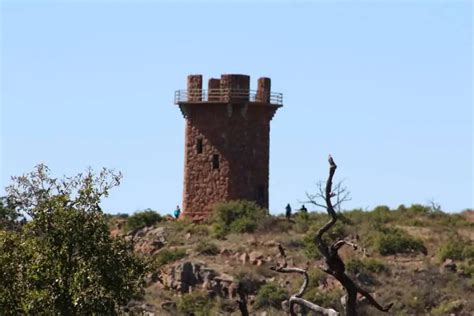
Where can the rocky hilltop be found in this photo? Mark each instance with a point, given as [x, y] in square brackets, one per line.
[417, 258]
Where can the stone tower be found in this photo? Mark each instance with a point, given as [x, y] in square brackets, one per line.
[227, 141]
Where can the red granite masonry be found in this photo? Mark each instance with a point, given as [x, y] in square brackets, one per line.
[227, 143]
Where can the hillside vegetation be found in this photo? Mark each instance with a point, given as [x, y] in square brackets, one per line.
[419, 258]
[60, 254]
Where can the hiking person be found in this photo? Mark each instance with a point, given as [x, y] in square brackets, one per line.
[177, 212]
[288, 211]
[303, 209]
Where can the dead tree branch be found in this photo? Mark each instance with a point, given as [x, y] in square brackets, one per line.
[242, 301]
[296, 299]
[339, 192]
[334, 264]
[311, 306]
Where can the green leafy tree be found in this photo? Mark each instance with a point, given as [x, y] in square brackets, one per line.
[11, 289]
[64, 261]
[9, 218]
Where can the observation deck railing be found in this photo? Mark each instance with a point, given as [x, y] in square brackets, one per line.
[227, 95]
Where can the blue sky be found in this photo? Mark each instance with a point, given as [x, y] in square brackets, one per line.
[384, 86]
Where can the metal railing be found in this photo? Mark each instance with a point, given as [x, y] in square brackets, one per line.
[227, 95]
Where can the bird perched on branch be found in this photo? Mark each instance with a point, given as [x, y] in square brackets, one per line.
[331, 161]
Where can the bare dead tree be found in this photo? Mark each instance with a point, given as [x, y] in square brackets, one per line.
[339, 192]
[297, 299]
[242, 301]
[333, 262]
[435, 207]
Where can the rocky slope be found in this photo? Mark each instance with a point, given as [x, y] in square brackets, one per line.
[195, 272]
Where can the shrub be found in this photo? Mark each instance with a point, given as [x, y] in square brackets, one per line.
[325, 298]
[227, 306]
[446, 308]
[381, 214]
[302, 223]
[452, 220]
[416, 222]
[310, 248]
[195, 303]
[392, 241]
[468, 252]
[374, 265]
[456, 250]
[365, 265]
[419, 209]
[466, 269]
[356, 216]
[180, 226]
[218, 231]
[197, 229]
[207, 248]
[243, 225]
[402, 208]
[166, 256]
[237, 216]
[141, 219]
[273, 224]
[249, 279]
[315, 277]
[452, 250]
[270, 295]
[306, 221]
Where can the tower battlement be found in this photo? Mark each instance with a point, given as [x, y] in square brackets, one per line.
[231, 88]
[227, 141]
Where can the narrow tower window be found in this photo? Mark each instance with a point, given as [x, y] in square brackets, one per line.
[199, 146]
[215, 161]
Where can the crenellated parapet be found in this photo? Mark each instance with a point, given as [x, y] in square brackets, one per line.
[230, 88]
